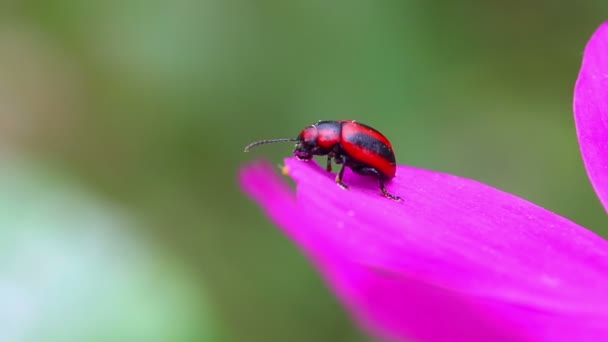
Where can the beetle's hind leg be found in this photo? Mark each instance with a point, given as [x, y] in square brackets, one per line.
[370, 171]
[386, 193]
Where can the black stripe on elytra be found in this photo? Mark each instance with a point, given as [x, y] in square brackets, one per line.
[368, 142]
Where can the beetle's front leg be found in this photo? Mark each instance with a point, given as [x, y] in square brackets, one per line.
[330, 155]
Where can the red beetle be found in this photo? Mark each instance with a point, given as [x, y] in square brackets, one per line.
[350, 143]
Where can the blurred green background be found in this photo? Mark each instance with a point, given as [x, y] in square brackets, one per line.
[122, 125]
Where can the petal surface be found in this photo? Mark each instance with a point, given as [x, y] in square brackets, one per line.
[454, 260]
[591, 111]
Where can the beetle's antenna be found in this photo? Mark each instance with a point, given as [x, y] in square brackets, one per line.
[269, 141]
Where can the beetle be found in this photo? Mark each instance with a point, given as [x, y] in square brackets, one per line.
[349, 143]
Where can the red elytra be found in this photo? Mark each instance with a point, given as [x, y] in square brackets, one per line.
[350, 143]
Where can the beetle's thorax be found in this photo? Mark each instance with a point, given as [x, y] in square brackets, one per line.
[318, 139]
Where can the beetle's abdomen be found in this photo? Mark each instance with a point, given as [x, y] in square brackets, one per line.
[368, 146]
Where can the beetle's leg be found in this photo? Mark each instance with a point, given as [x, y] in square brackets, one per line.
[341, 173]
[330, 155]
[339, 159]
[364, 170]
[339, 178]
[386, 193]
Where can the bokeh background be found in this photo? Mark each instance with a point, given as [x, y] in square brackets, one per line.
[122, 125]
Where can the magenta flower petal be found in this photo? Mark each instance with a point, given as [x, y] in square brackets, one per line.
[454, 260]
[591, 111]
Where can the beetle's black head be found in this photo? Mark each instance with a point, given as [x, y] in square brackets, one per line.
[306, 143]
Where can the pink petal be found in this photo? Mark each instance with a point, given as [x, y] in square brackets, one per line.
[591, 111]
[454, 260]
